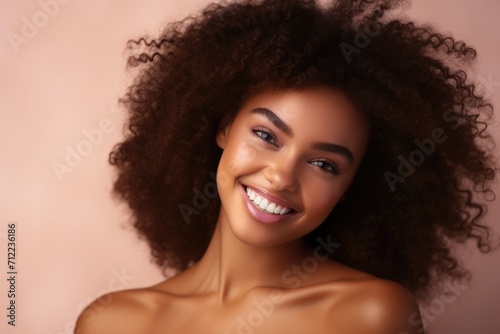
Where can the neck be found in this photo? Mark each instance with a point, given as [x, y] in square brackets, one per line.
[230, 268]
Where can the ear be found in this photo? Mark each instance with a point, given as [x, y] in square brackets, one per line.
[223, 130]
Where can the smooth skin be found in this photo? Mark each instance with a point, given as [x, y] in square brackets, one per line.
[259, 278]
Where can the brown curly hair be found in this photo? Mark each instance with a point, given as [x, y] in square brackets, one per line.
[412, 198]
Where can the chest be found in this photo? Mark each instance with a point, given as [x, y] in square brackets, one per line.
[259, 315]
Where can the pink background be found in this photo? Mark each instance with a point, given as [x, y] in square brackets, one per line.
[73, 240]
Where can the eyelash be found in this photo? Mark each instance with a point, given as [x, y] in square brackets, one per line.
[266, 131]
[333, 166]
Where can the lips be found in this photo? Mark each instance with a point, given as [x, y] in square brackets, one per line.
[261, 215]
[270, 197]
[266, 205]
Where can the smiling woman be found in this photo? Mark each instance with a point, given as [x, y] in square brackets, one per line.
[293, 150]
[300, 110]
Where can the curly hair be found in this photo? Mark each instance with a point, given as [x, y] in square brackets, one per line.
[414, 196]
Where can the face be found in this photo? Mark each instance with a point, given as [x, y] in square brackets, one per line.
[289, 152]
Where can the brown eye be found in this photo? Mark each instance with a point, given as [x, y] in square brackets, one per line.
[265, 135]
[327, 166]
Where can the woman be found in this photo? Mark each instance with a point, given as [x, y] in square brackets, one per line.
[304, 168]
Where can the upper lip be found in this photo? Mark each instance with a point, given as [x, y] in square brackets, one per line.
[273, 198]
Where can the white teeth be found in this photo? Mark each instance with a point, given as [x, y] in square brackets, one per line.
[264, 204]
[251, 194]
[257, 200]
[271, 208]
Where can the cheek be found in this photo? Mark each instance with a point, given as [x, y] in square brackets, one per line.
[246, 152]
[239, 156]
[322, 200]
[235, 159]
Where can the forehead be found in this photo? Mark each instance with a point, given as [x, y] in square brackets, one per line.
[321, 106]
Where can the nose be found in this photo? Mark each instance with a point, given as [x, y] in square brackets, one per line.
[282, 174]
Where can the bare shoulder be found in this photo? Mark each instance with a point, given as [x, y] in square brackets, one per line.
[359, 302]
[126, 311]
[374, 305]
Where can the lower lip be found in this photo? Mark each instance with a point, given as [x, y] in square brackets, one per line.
[260, 215]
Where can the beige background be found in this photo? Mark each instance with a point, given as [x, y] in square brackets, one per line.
[64, 80]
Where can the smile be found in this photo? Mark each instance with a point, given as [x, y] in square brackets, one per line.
[265, 211]
[266, 205]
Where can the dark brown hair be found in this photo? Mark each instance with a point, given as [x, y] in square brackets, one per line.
[415, 193]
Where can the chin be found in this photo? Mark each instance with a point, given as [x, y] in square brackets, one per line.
[253, 235]
[259, 235]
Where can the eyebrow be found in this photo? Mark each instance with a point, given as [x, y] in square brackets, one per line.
[328, 147]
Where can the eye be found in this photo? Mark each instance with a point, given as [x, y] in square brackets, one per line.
[327, 166]
[266, 136]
